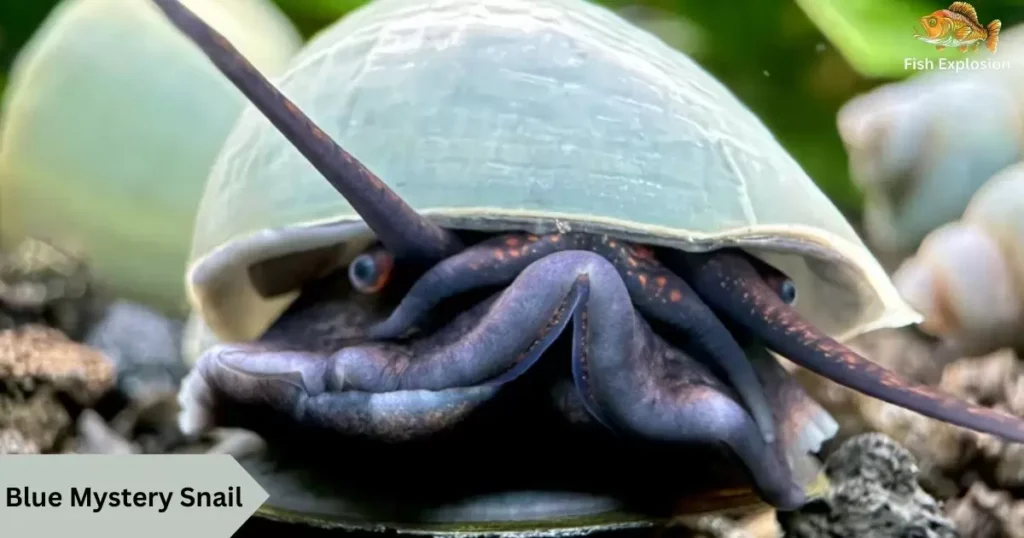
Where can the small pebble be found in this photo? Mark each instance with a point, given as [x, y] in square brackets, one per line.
[42, 284]
[874, 494]
[716, 526]
[41, 370]
[34, 355]
[984, 513]
[13, 442]
[96, 437]
[145, 347]
[953, 461]
[38, 418]
[235, 442]
[151, 423]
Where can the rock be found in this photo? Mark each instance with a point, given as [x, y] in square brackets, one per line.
[235, 442]
[716, 526]
[38, 418]
[996, 380]
[96, 437]
[13, 442]
[761, 524]
[874, 494]
[975, 472]
[40, 369]
[145, 347]
[34, 356]
[949, 454]
[40, 284]
[983, 513]
[152, 423]
[747, 522]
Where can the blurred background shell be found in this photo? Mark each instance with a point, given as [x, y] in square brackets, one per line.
[110, 122]
[967, 278]
[920, 148]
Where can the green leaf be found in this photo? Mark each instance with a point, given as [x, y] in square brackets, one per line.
[322, 9]
[877, 36]
[311, 16]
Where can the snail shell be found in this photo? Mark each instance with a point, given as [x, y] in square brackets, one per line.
[967, 278]
[920, 148]
[110, 122]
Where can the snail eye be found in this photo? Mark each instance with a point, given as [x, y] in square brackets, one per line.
[787, 291]
[370, 271]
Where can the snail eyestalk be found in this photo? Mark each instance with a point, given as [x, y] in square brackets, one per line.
[371, 271]
[729, 282]
[408, 235]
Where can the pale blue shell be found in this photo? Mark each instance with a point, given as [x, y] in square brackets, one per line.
[110, 124]
[515, 114]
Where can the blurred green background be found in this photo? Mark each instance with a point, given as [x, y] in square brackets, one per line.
[794, 62]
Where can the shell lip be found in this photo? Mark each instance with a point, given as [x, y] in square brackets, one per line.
[511, 513]
[221, 280]
[300, 493]
[609, 521]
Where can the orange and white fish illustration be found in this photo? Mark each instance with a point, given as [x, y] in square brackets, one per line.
[959, 27]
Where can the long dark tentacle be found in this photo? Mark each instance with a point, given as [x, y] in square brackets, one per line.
[629, 377]
[635, 382]
[656, 292]
[728, 281]
[493, 262]
[409, 236]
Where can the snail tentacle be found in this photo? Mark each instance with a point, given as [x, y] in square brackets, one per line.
[629, 379]
[656, 292]
[732, 284]
[412, 238]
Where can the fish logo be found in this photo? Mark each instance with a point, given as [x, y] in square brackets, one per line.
[958, 27]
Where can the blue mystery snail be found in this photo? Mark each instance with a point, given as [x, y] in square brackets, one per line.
[584, 250]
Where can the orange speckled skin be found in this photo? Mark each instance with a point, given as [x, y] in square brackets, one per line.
[654, 341]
